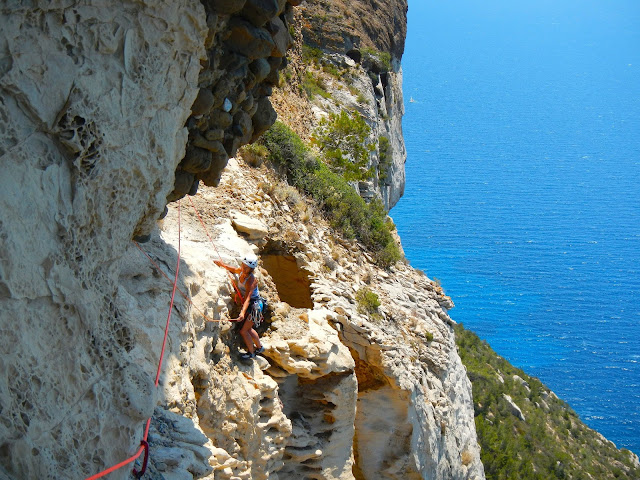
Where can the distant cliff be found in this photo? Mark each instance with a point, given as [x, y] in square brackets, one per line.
[348, 59]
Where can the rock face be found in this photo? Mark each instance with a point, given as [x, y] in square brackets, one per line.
[346, 27]
[93, 103]
[363, 41]
[246, 44]
[108, 112]
[338, 394]
[378, 99]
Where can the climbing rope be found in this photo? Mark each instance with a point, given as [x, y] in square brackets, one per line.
[144, 446]
[216, 249]
[184, 295]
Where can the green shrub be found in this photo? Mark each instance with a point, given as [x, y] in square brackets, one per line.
[289, 154]
[342, 140]
[346, 211]
[254, 154]
[314, 85]
[552, 443]
[368, 303]
[286, 75]
[331, 69]
[311, 55]
[383, 59]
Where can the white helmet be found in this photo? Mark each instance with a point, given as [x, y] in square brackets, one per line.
[250, 260]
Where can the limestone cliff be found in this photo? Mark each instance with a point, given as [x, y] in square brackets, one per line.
[107, 114]
[352, 64]
[372, 34]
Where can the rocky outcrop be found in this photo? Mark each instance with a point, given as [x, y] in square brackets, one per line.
[365, 40]
[93, 107]
[378, 98]
[338, 394]
[93, 103]
[246, 46]
[347, 27]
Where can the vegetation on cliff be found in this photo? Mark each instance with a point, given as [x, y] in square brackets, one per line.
[342, 140]
[345, 209]
[525, 431]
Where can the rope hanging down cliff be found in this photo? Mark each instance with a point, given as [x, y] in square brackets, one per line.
[184, 295]
[144, 446]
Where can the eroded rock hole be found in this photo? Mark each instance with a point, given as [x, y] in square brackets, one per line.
[292, 283]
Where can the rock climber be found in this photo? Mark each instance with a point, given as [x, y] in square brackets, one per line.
[251, 311]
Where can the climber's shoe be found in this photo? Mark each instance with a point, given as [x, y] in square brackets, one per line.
[260, 350]
[247, 356]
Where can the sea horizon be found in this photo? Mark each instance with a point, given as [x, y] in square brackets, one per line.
[524, 160]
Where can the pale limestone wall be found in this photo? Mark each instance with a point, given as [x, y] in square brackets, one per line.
[93, 103]
[360, 87]
[378, 98]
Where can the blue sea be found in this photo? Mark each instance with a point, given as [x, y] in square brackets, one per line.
[522, 128]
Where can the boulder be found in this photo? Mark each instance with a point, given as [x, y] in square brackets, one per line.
[260, 12]
[214, 146]
[260, 68]
[515, 409]
[264, 117]
[214, 134]
[280, 36]
[248, 40]
[182, 186]
[254, 228]
[196, 160]
[220, 119]
[242, 126]
[226, 7]
[211, 177]
[203, 103]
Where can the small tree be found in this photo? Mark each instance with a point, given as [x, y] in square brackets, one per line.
[342, 140]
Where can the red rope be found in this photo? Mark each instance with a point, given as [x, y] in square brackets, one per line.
[173, 295]
[116, 467]
[216, 249]
[164, 343]
[145, 462]
[184, 295]
[144, 445]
